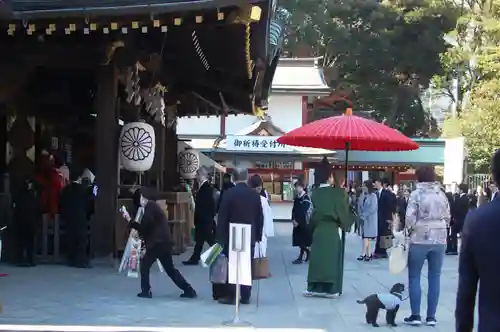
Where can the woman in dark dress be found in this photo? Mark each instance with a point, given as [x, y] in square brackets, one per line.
[301, 232]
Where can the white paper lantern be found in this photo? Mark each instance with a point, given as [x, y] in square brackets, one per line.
[137, 146]
[189, 162]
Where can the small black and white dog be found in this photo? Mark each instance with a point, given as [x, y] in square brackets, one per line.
[390, 302]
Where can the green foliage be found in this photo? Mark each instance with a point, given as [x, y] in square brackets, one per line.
[481, 122]
[452, 127]
[385, 53]
[474, 62]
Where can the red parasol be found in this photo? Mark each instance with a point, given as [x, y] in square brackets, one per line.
[348, 132]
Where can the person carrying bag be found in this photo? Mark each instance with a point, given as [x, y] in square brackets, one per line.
[260, 262]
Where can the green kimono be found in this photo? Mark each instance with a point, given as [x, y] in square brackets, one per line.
[330, 219]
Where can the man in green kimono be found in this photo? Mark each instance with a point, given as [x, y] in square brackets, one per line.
[330, 219]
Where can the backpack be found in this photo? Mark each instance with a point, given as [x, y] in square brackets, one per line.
[309, 211]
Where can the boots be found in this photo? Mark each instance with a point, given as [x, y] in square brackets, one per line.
[307, 251]
[300, 259]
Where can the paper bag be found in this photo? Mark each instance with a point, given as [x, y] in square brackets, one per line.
[260, 268]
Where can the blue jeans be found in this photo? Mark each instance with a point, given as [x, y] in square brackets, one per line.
[418, 253]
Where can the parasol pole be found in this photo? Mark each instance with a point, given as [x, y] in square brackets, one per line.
[347, 147]
[341, 281]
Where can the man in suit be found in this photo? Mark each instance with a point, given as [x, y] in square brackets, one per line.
[478, 259]
[242, 205]
[386, 207]
[153, 228]
[74, 203]
[204, 213]
[459, 210]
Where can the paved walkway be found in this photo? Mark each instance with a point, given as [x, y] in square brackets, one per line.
[57, 295]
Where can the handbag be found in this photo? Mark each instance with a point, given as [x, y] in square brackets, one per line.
[260, 268]
[398, 254]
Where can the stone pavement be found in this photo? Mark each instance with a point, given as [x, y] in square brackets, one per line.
[58, 295]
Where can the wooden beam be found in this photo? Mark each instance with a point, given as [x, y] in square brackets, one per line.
[106, 161]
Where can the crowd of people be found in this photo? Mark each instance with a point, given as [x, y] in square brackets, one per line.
[54, 193]
[432, 219]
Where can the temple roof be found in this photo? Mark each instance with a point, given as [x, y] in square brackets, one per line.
[261, 125]
[198, 49]
[85, 7]
[300, 75]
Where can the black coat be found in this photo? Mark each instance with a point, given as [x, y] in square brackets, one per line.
[204, 205]
[401, 209]
[241, 205]
[153, 228]
[27, 208]
[386, 207]
[225, 187]
[302, 235]
[459, 211]
[74, 203]
[478, 263]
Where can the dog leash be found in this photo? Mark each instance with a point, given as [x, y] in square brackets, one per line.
[406, 298]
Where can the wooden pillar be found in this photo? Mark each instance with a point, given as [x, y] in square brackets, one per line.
[106, 162]
[170, 169]
[153, 177]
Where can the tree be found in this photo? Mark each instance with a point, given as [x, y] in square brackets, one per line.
[473, 64]
[384, 54]
[481, 123]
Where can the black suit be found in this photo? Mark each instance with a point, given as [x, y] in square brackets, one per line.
[459, 210]
[155, 232]
[74, 202]
[204, 223]
[225, 187]
[386, 207]
[478, 263]
[27, 217]
[241, 205]
[401, 208]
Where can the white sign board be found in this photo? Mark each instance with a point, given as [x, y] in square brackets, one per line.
[454, 156]
[239, 244]
[256, 144]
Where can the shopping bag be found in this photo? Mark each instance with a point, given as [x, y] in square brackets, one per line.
[218, 270]
[134, 262]
[260, 268]
[126, 252]
[398, 254]
[209, 256]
